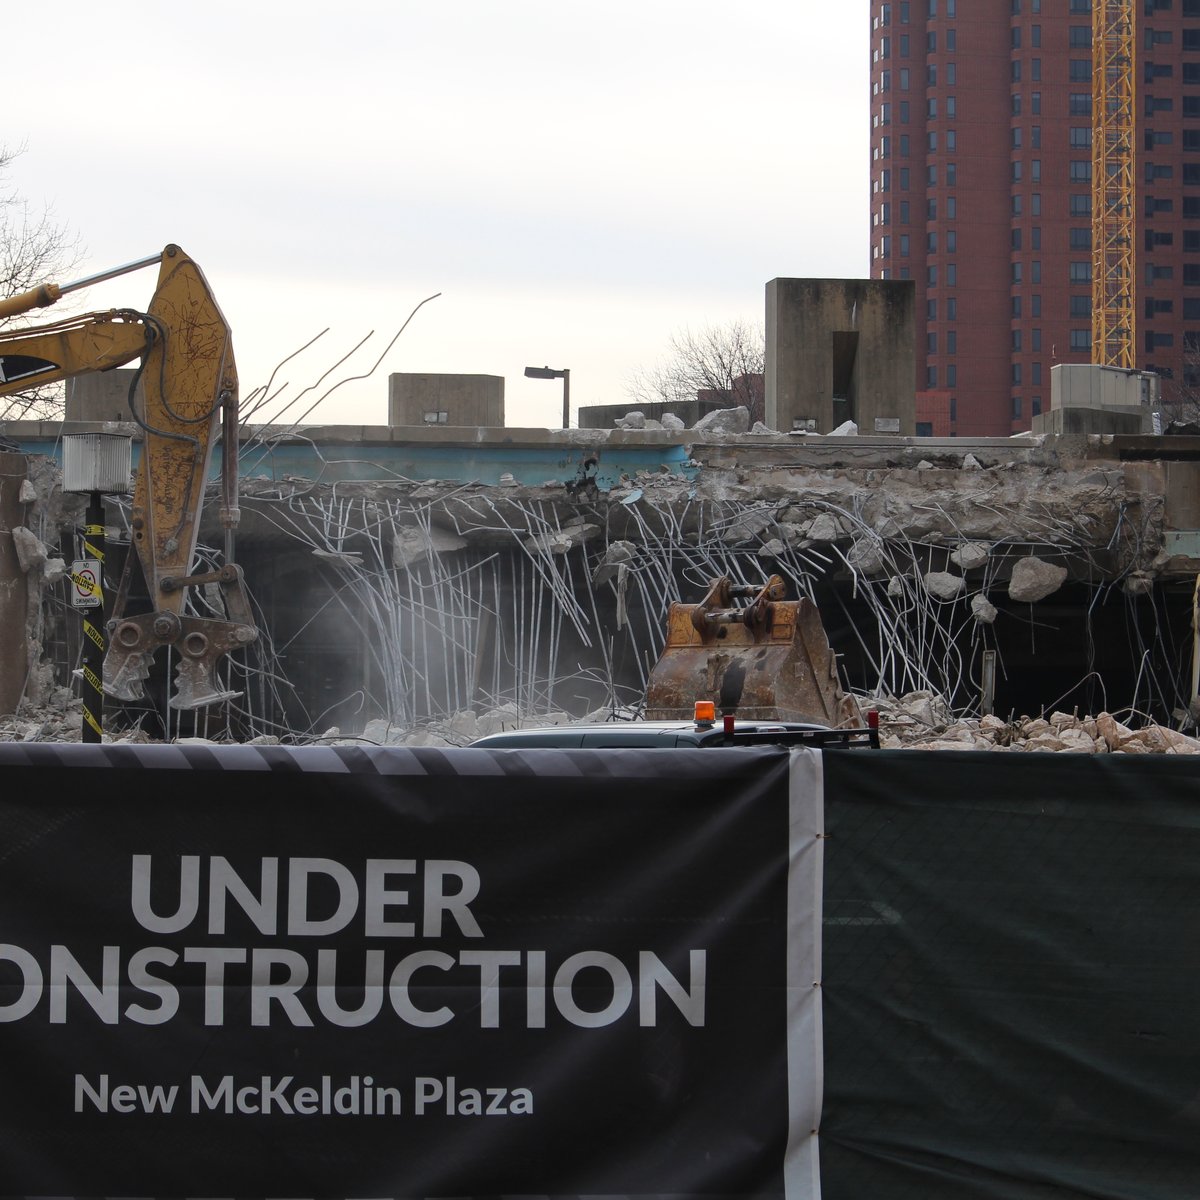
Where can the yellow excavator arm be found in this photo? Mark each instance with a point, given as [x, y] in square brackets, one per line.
[190, 384]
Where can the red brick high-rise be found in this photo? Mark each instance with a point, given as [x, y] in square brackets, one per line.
[981, 164]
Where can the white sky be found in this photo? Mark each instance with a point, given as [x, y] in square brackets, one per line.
[577, 180]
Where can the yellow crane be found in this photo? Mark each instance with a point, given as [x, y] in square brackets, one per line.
[1114, 180]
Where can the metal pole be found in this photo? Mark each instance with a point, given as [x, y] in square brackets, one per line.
[93, 626]
[566, 398]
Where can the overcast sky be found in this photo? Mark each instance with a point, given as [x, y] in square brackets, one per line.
[577, 180]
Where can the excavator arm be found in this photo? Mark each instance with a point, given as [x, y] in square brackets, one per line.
[190, 384]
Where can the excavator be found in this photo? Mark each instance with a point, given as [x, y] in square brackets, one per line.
[190, 388]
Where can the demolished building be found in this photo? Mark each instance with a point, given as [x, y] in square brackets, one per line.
[407, 577]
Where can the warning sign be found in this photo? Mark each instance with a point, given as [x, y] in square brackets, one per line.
[85, 583]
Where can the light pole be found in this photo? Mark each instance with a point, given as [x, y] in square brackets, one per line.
[551, 373]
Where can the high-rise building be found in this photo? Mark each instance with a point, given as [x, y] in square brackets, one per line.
[981, 192]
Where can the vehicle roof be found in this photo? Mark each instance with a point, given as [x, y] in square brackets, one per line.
[614, 734]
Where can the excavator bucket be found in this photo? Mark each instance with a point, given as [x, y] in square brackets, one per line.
[752, 653]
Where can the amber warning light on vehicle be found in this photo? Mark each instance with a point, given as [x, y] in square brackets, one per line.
[706, 712]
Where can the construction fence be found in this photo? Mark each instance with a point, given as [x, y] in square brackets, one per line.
[252, 971]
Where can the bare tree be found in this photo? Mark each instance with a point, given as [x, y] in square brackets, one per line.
[719, 363]
[34, 249]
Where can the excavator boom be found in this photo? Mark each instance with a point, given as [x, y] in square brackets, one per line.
[189, 380]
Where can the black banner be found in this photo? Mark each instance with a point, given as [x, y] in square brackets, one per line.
[324, 973]
[1011, 977]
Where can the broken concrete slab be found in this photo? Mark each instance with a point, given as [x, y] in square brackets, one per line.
[982, 609]
[1034, 579]
[971, 555]
[724, 420]
[943, 585]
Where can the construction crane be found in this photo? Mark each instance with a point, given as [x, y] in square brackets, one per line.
[1114, 193]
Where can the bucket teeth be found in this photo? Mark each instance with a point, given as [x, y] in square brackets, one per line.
[195, 686]
[124, 673]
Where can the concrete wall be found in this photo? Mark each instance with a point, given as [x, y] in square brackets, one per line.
[14, 656]
[417, 399]
[841, 349]
[101, 396]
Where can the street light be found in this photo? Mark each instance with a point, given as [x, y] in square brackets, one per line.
[551, 373]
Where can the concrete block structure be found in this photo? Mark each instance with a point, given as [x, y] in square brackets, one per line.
[839, 350]
[419, 399]
[1086, 399]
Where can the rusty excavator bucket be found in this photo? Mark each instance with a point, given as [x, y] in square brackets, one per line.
[766, 658]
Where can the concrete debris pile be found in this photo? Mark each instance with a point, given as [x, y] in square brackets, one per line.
[923, 721]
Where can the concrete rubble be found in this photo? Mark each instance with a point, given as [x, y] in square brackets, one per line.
[923, 721]
[915, 721]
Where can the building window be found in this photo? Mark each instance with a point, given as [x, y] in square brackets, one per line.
[951, 309]
[931, 377]
[1081, 205]
[951, 241]
[1016, 104]
[1016, 170]
[1035, 102]
[1035, 170]
[951, 274]
[1016, 340]
[1016, 374]
[1016, 408]
[952, 375]
[1017, 272]
[931, 310]
[951, 174]
[1036, 344]
[436, 418]
[1080, 170]
[1036, 301]
[1036, 274]
[1016, 137]
[1081, 306]
[931, 242]
[904, 245]
[1080, 70]
[1079, 104]
[1080, 136]
[931, 275]
[1015, 305]
[1016, 204]
[951, 342]
[1079, 37]
[1014, 238]
[1081, 272]
[951, 208]
[1080, 239]
[1081, 339]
